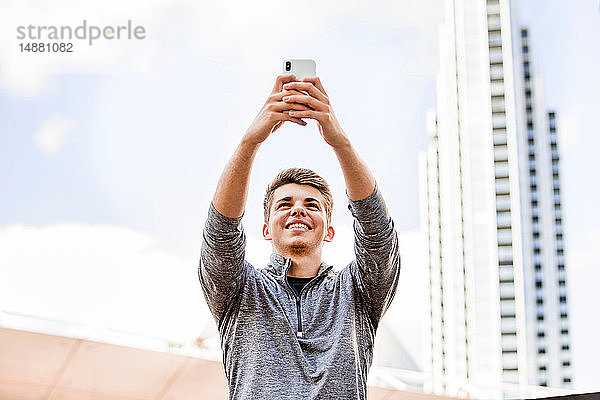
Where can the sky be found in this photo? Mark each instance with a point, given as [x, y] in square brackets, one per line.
[109, 155]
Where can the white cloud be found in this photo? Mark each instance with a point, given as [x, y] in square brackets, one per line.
[52, 133]
[103, 276]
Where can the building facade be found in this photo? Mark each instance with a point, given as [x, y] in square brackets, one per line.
[491, 212]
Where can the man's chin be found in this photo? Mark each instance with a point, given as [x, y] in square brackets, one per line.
[298, 248]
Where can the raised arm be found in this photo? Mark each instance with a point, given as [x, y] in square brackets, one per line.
[232, 189]
[375, 271]
[223, 271]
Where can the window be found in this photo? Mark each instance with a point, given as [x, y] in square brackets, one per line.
[565, 347]
[542, 350]
[497, 101]
[554, 169]
[541, 334]
[540, 317]
[508, 322]
[532, 180]
[566, 363]
[507, 307]
[497, 87]
[502, 217]
[499, 137]
[494, 21]
[501, 169]
[502, 187]
[542, 368]
[503, 202]
[538, 275]
[500, 153]
[495, 39]
[507, 291]
[566, 380]
[498, 120]
[496, 55]
[504, 236]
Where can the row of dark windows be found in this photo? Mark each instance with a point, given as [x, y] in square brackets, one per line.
[563, 331]
[563, 315]
[561, 282]
[542, 350]
[562, 299]
[565, 380]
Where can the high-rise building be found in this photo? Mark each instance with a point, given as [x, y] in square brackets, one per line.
[491, 212]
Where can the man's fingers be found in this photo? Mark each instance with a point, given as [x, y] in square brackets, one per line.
[294, 120]
[309, 88]
[290, 106]
[304, 99]
[317, 82]
[307, 114]
[283, 93]
[281, 80]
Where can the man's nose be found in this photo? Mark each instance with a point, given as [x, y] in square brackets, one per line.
[298, 209]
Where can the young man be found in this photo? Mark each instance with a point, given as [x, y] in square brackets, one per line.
[297, 329]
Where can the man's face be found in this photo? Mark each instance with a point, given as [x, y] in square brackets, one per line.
[297, 221]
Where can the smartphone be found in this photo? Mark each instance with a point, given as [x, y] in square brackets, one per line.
[300, 68]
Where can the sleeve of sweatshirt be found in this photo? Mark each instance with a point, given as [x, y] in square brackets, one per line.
[222, 271]
[377, 264]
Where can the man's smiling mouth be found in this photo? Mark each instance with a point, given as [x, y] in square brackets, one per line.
[298, 225]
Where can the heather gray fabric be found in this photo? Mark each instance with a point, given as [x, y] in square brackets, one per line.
[264, 354]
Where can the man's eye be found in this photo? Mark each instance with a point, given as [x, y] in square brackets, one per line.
[313, 205]
[282, 204]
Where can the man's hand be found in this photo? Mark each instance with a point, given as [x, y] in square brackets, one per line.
[320, 109]
[275, 112]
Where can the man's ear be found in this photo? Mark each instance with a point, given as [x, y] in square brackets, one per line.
[330, 234]
[266, 233]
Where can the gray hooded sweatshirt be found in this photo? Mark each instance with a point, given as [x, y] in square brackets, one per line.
[318, 345]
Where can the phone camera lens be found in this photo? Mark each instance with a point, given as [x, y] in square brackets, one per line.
[288, 65]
